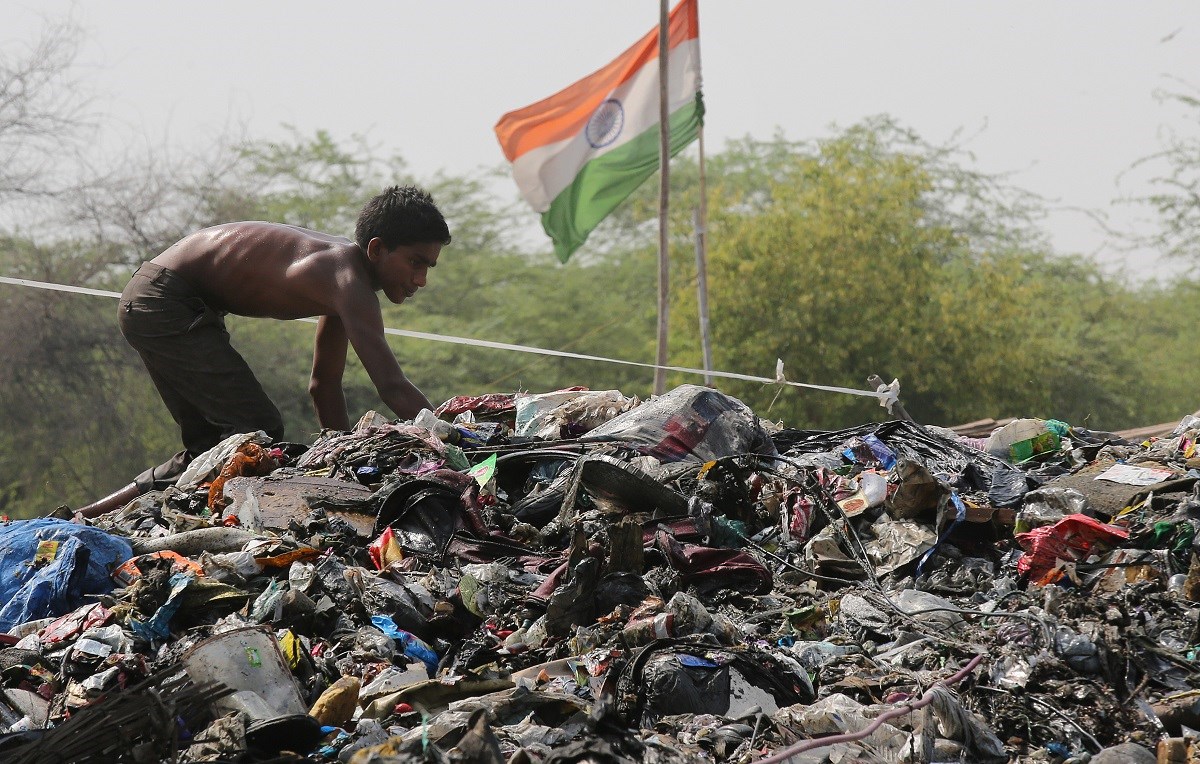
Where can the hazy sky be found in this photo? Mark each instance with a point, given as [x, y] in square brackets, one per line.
[1059, 93]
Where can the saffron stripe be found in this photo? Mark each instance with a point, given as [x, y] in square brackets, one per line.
[567, 112]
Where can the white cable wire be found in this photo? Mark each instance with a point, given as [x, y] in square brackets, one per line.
[58, 287]
[885, 396]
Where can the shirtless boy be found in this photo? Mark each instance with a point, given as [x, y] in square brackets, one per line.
[172, 312]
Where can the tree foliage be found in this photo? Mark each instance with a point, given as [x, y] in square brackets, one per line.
[68, 386]
[873, 252]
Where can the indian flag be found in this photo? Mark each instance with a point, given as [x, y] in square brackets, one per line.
[579, 153]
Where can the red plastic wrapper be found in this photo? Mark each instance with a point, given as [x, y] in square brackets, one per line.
[490, 406]
[800, 509]
[385, 550]
[76, 622]
[1072, 538]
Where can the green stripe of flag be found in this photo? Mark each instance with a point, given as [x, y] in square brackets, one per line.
[606, 181]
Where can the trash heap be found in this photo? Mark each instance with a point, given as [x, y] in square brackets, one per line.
[578, 576]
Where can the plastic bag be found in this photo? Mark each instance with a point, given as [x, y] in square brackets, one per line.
[1072, 538]
[1048, 505]
[48, 565]
[569, 412]
[691, 423]
[208, 464]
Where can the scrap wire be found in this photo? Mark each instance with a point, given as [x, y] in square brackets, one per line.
[793, 566]
[782, 561]
[859, 554]
[840, 523]
[1060, 714]
[850, 737]
[911, 615]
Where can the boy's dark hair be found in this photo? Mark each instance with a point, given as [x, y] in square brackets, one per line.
[401, 215]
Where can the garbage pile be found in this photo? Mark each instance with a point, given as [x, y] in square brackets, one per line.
[579, 576]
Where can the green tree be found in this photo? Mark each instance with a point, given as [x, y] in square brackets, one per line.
[70, 390]
[874, 252]
[828, 268]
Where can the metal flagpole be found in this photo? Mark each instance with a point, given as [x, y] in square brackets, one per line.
[702, 265]
[664, 198]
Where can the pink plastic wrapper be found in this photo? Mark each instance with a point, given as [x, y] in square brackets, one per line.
[75, 622]
[1072, 538]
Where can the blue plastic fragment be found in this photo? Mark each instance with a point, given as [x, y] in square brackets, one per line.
[881, 451]
[1059, 749]
[695, 661]
[413, 646]
[158, 627]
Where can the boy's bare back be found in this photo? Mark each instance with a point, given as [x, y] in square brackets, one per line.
[270, 270]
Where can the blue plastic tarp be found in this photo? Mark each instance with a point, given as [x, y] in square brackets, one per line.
[48, 566]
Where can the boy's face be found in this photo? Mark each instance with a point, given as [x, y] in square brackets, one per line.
[404, 269]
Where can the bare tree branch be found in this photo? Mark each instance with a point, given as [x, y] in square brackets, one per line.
[42, 114]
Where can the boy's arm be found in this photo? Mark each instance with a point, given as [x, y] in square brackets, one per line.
[325, 384]
[362, 325]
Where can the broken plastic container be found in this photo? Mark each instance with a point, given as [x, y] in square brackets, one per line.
[1022, 439]
[249, 662]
